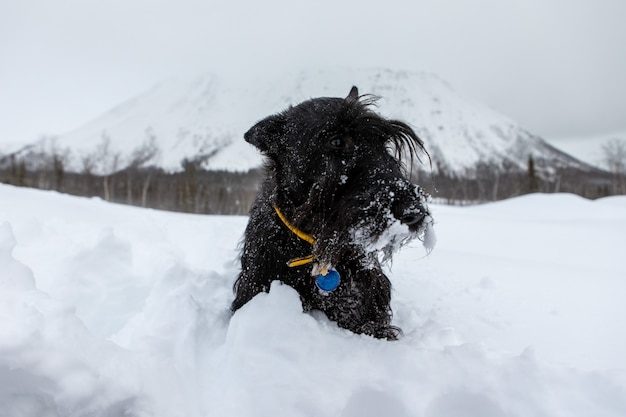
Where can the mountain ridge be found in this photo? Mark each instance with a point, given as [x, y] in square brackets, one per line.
[203, 119]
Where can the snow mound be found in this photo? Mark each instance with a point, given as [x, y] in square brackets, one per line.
[109, 310]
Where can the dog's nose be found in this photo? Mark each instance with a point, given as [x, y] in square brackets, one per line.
[408, 203]
[412, 218]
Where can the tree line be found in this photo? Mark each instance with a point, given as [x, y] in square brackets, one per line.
[498, 180]
[136, 180]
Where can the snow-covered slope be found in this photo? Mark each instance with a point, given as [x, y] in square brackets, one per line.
[588, 149]
[110, 310]
[208, 115]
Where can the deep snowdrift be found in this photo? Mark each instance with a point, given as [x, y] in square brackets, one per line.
[112, 310]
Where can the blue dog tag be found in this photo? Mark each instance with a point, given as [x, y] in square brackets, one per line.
[328, 282]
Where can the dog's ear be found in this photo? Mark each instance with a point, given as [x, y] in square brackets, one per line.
[353, 94]
[266, 133]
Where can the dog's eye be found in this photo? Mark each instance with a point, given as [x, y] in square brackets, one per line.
[337, 143]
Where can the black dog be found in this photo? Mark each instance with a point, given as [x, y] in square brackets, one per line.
[335, 198]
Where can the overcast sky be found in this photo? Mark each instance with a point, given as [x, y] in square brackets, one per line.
[558, 67]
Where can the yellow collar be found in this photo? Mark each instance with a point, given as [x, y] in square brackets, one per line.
[304, 236]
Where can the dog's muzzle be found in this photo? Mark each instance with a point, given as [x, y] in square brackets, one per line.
[410, 214]
[409, 205]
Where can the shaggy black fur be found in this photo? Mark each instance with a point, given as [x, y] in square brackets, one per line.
[333, 169]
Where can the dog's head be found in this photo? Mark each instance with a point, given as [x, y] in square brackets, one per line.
[339, 169]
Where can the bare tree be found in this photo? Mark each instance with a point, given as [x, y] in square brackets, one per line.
[15, 166]
[142, 155]
[48, 161]
[496, 172]
[614, 156]
[58, 159]
[108, 163]
[88, 163]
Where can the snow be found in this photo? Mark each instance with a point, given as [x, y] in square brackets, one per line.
[208, 114]
[588, 148]
[109, 310]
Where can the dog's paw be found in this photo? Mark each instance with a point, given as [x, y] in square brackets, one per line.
[381, 331]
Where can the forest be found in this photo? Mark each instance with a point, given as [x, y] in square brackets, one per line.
[194, 189]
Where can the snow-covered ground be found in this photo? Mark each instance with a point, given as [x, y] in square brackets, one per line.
[109, 310]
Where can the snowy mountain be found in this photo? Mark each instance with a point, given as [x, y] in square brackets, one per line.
[111, 310]
[588, 148]
[205, 118]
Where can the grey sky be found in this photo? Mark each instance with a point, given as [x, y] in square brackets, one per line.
[557, 67]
